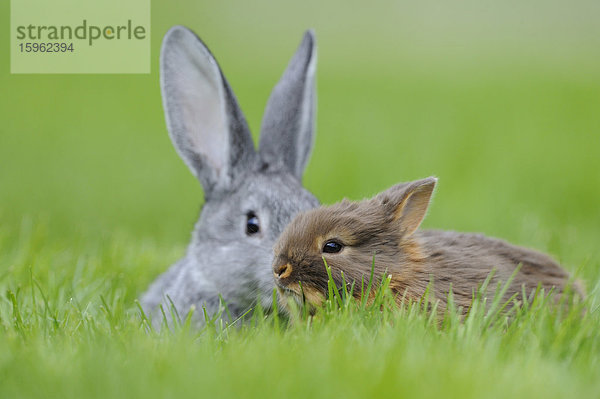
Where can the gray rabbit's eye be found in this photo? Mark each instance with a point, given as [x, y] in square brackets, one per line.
[332, 247]
[252, 224]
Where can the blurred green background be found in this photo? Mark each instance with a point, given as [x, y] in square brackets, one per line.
[500, 100]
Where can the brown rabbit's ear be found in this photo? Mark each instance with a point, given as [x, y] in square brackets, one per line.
[408, 203]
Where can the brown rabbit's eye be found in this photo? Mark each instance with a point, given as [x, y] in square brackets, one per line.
[252, 224]
[332, 247]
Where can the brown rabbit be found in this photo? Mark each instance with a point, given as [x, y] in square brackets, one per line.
[350, 236]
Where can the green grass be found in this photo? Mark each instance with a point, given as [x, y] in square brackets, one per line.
[74, 332]
[499, 100]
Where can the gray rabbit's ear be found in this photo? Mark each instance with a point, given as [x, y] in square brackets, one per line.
[288, 125]
[407, 203]
[204, 120]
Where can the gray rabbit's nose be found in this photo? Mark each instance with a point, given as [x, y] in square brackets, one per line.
[282, 271]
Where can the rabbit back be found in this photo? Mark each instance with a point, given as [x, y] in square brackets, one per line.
[462, 262]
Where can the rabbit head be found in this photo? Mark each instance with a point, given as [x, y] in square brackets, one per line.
[250, 195]
[353, 238]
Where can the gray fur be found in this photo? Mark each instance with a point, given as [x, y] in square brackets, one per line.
[289, 118]
[211, 135]
[386, 226]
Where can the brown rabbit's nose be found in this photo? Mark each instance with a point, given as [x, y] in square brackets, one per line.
[282, 271]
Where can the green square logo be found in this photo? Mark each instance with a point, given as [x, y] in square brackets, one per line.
[80, 36]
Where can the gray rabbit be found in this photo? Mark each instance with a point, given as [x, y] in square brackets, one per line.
[250, 196]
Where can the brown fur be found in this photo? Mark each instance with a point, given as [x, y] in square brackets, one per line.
[386, 227]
